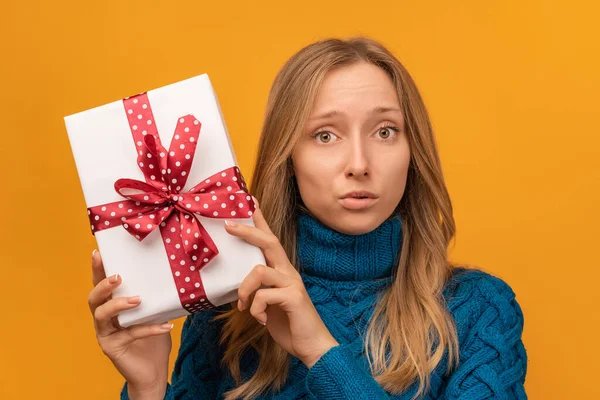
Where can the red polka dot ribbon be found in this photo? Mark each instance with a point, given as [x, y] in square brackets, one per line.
[158, 202]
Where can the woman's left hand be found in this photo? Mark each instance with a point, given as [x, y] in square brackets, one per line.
[284, 305]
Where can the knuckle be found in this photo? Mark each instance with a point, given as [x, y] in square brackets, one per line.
[259, 296]
[99, 313]
[243, 292]
[103, 311]
[257, 302]
[260, 270]
[255, 309]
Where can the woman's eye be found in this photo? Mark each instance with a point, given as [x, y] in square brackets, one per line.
[385, 132]
[324, 137]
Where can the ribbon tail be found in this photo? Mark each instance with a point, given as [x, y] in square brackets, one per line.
[197, 243]
[186, 276]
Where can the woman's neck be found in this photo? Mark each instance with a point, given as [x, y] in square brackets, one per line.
[329, 254]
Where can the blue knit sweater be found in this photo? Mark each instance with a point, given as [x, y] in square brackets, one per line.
[343, 275]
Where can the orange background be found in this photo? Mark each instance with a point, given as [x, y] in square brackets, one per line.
[512, 88]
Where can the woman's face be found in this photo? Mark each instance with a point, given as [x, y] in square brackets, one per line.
[353, 145]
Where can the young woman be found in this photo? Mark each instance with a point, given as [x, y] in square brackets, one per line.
[358, 300]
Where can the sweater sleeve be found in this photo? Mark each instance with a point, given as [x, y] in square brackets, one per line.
[338, 374]
[196, 374]
[493, 360]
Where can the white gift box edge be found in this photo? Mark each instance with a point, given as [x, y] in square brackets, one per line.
[210, 272]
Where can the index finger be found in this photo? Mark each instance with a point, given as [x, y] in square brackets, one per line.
[259, 219]
[97, 268]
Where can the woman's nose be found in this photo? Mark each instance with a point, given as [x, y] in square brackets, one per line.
[357, 160]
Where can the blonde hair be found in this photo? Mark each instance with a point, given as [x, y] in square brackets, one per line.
[410, 328]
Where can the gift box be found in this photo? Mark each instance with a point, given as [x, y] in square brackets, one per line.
[159, 176]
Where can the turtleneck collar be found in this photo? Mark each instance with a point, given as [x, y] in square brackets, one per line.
[326, 253]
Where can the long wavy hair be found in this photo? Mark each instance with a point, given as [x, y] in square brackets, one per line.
[411, 328]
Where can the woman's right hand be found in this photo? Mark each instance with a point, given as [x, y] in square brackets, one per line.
[140, 353]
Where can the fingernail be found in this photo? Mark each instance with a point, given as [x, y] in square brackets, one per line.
[134, 299]
[262, 322]
[230, 223]
[94, 253]
[166, 327]
[239, 305]
[255, 201]
[114, 278]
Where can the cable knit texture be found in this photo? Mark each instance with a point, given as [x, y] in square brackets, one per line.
[344, 274]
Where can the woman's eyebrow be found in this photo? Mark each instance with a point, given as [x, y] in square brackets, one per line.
[376, 110]
[381, 110]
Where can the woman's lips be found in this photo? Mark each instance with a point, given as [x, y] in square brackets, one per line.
[353, 203]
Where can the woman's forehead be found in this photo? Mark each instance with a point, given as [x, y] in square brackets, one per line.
[361, 88]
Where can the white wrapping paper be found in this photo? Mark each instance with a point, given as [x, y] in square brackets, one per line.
[104, 151]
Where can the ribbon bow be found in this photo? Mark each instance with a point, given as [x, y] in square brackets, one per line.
[159, 202]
